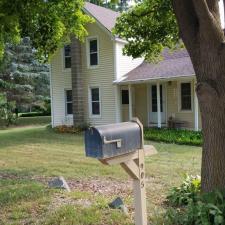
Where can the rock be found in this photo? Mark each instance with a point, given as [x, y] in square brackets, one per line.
[59, 182]
[124, 209]
[118, 204]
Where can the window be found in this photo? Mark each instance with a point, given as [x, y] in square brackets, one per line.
[67, 57]
[125, 97]
[154, 99]
[186, 102]
[95, 101]
[69, 102]
[93, 52]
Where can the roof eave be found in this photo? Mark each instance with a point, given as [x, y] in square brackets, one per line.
[148, 80]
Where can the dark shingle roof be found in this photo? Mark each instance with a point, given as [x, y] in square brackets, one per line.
[176, 64]
[106, 17]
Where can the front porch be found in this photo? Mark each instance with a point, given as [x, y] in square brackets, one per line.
[159, 102]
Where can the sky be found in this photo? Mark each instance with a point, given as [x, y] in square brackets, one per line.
[221, 12]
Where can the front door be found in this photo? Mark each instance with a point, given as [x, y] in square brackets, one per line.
[153, 104]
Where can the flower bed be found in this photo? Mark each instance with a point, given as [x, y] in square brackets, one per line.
[186, 137]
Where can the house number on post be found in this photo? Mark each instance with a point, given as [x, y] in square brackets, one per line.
[123, 144]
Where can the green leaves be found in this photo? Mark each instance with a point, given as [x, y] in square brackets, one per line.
[149, 28]
[48, 23]
[189, 206]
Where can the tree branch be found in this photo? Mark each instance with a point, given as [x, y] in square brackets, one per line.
[187, 22]
[210, 28]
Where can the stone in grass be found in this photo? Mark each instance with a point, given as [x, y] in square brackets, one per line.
[118, 204]
[59, 182]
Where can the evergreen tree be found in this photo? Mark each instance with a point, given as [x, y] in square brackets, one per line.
[23, 80]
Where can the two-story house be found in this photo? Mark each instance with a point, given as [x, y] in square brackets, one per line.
[99, 85]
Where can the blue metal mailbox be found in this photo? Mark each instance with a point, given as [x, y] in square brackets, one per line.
[113, 140]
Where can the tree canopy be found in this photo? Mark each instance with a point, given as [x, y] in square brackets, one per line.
[48, 23]
[148, 28]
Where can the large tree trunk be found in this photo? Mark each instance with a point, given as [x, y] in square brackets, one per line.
[77, 82]
[200, 29]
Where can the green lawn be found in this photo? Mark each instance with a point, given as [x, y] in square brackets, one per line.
[31, 156]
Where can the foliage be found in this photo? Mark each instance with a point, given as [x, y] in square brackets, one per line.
[188, 190]
[190, 206]
[25, 81]
[71, 129]
[47, 23]
[7, 116]
[209, 209]
[186, 137]
[149, 27]
[116, 5]
[33, 114]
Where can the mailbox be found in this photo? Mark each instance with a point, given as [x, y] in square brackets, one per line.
[112, 140]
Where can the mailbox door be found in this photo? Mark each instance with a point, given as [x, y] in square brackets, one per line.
[93, 143]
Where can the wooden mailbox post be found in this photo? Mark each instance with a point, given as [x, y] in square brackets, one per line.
[133, 163]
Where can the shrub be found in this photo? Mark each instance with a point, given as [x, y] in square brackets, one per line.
[34, 114]
[71, 129]
[189, 190]
[190, 207]
[7, 116]
[186, 137]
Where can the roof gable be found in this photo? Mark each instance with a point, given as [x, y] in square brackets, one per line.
[106, 17]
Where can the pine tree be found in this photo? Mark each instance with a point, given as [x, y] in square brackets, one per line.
[23, 80]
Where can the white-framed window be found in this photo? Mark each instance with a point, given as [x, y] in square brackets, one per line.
[68, 102]
[95, 101]
[92, 51]
[186, 98]
[67, 56]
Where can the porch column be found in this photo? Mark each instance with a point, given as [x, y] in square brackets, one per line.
[130, 102]
[196, 112]
[118, 103]
[158, 105]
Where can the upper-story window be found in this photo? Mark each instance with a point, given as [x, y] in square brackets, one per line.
[93, 53]
[67, 57]
[185, 96]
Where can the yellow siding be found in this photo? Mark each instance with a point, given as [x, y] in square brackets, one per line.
[60, 81]
[101, 76]
[173, 108]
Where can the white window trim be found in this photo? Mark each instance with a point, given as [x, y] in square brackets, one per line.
[88, 39]
[64, 69]
[179, 97]
[90, 102]
[65, 98]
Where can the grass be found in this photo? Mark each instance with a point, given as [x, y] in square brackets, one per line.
[32, 154]
[29, 121]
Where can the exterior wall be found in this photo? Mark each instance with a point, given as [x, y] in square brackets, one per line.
[112, 64]
[102, 76]
[60, 81]
[173, 107]
[141, 104]
[124, 64]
